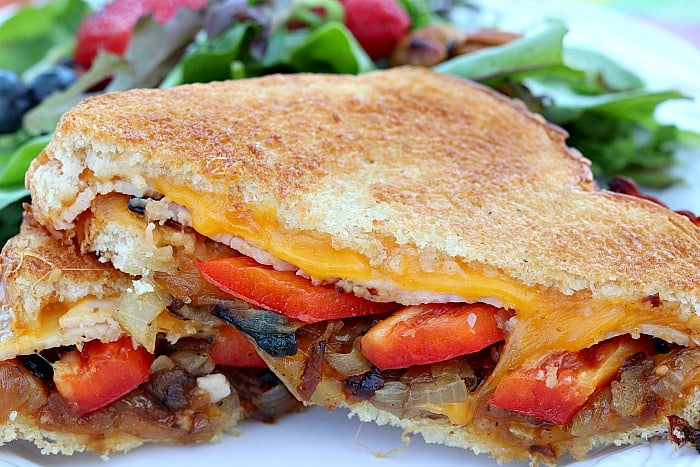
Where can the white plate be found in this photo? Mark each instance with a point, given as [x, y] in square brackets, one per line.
[316, 437]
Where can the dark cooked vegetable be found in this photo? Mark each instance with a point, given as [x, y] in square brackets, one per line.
[313, 370]
[38, 366]
[274, 333]
[363, 386]
[171, 388]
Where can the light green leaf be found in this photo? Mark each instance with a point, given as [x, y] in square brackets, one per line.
[211, 60]
[12, 171]
[601, 73]
[30, 35]
[539, 48]
[11, 194]
[43, 118]
[331, 48]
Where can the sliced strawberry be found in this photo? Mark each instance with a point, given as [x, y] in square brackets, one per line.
[110, 28]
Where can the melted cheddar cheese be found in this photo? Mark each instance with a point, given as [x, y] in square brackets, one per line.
[318, 258]
[545, 321]
[61, 324]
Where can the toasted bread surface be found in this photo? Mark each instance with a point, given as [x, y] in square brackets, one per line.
[392, 165]
[43, 275]
[400, 167]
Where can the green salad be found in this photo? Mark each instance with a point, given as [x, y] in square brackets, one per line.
[53, 56]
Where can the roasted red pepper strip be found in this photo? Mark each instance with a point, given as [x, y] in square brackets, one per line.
[285, 292]
[101, 373]
[556, 388]
[422, 334]
[232, 348]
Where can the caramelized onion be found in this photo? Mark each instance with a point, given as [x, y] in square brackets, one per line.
[391, 397]
[162, 362]
[349, 364]
[629, 394]
[190, 287]
[445, 390]
[171, 388]
[19, 389]
[136, 311]
[678, 372]
[364, 386]
[277, 401]
[197, 363]
[313, 370]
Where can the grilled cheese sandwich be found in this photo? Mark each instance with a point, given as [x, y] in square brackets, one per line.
[410, 187]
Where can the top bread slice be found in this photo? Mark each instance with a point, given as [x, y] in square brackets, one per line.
[407, 169]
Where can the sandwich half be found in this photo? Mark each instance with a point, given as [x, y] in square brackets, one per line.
[409, 245]
[71, 378]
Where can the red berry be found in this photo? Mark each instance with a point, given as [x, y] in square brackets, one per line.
[110, 28]
[165, 10]
[378, 25]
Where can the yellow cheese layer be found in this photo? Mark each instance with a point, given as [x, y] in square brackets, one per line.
[317, 257]
[61, 324]
[545, 321]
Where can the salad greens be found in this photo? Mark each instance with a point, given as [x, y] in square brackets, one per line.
[606, 108]
[38, 36]
[256, 47]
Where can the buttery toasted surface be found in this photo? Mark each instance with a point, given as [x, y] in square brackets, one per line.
[407, 168]
[44, 278]
[38, 268]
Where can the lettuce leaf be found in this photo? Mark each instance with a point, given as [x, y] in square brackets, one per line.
[608, 112]
[11, 213]
[294, 39]
[15, 165]
[37, 36]
[540, 51]
[330, 48]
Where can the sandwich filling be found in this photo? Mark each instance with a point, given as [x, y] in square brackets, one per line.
[483, 359]
[72, 379]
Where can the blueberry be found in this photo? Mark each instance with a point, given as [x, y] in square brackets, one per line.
[14, 101]
[10, 83]
[52, 79]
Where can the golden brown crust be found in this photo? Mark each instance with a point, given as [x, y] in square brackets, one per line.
[55, 296]
[27, 414]
[385, 164]
[39, 271]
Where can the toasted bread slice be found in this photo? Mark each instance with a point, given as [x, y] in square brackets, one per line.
[388, 172]
[412, 187]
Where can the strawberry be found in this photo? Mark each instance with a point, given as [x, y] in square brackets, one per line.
[110, 28]
[378, 25]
